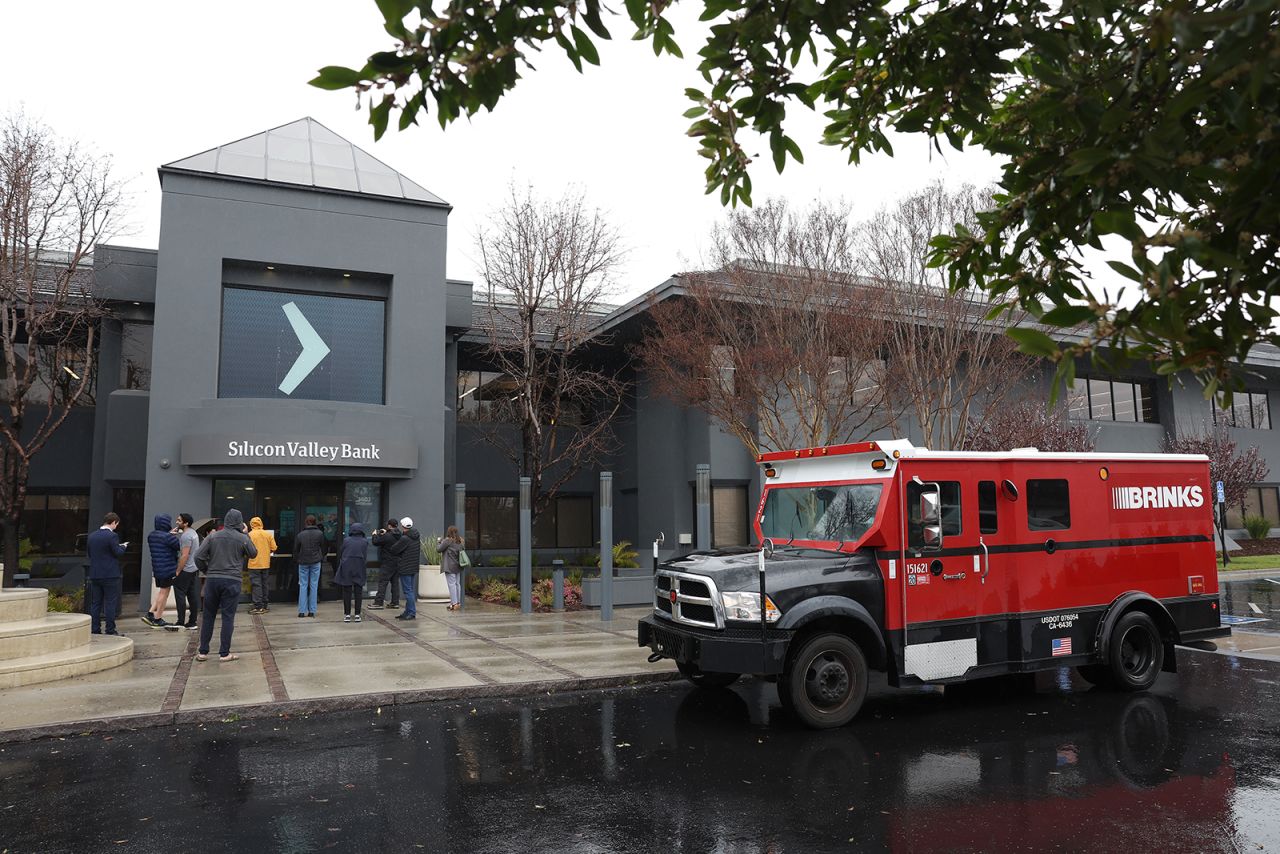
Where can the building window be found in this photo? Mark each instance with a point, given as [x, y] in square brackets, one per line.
[1048, 505]
[493, 522]
[1258, 501]
[264, 334]
[135, 356]
[1249, 409]
[1112, 400]
[53, 523]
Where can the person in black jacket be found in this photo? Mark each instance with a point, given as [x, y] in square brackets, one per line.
[352, 570]
[308, 551]
[408, 552]
[384, 539]
[104, 550]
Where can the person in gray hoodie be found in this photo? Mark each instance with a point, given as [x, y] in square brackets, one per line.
[223, 556]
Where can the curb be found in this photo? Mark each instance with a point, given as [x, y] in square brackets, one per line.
[1245, 574]
[354, 702]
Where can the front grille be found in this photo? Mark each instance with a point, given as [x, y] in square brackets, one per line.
[689, 599]
[671, 644]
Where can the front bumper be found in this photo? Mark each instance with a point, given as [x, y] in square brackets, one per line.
[730, 650]
[1195, 635]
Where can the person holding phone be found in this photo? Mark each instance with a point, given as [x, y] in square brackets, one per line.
[104, 550]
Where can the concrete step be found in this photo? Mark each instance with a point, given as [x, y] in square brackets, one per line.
[101, 653]
[23, 603]
[50, 633]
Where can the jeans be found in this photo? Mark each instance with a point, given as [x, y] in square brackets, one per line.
[406, 590]
[221, 595]
[308, 587]
[258, 581]
[104, 600]
[187, 587]
[454, 580]
[387, 583]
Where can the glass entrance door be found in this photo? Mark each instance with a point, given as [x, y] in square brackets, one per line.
[284, 506]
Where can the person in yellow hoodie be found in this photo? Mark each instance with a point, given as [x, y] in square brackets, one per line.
[265, 543]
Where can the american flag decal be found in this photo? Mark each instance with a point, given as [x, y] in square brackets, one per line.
[1061, 646]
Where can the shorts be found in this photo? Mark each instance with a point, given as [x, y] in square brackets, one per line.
[165, 583]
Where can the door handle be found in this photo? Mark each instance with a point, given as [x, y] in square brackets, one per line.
[986, 560]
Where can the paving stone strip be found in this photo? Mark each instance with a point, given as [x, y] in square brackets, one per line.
[453, 661]
[519, 653]
[173, 699]
[275, 682]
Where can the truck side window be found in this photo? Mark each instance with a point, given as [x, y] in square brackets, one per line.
[987, 521]
[950, 512]
[1048, 505]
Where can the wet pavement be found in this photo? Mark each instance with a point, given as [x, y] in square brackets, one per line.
[1252, 604]
[1193, 765]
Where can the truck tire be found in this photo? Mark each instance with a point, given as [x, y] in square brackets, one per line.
[1135, 654]
[706, 679]
[826, 681]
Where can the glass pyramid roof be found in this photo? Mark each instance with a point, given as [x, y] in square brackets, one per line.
[308, 153]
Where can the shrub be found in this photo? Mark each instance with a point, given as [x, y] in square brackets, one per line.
[624, 557]
[503, 561]
[66, 600]
[512, 595]
[431, 550]
[1257, 526]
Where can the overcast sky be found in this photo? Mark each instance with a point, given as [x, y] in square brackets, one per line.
[152, 82]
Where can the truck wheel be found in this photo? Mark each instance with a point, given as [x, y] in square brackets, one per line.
[826, 681]
[706, 679]
[1136, 653]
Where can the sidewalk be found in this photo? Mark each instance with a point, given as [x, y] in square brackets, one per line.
[297, 666]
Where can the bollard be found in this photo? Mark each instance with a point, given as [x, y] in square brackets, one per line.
[460, 519]
[606, 546]
[557, 585]
[526, 546]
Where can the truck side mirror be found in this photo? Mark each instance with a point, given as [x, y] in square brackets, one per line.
[931, 516]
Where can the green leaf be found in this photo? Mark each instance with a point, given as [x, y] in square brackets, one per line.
[1068, 315]
[1125, 270]
[334, 77]
[393, 11]
[1033, 342]
[585, 47]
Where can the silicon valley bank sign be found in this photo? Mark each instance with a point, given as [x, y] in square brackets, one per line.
[300, 451]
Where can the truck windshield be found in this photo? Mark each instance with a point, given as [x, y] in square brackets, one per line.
[838, 513]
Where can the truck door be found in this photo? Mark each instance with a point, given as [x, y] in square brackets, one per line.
[944, 563]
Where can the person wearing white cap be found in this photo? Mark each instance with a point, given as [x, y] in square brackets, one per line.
[408, 552]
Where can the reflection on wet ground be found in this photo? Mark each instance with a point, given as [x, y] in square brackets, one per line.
[1044, 764]
[1255, 601]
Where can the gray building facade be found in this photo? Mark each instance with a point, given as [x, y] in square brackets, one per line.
[294, 347]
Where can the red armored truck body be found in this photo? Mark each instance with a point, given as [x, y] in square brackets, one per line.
[947, 566]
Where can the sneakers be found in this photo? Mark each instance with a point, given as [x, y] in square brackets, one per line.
[256, 610]
[149, 620]
[301, 615]
[356, 618]
[406, 617]
[346, 618]
[312, 614]
[373, 607]
[191, 626]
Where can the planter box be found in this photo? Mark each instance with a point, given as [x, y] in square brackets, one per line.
[627, 590]
[431, 584]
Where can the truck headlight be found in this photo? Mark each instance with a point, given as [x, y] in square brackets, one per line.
[746, 606]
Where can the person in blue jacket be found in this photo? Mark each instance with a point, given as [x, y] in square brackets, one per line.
[164, 547]
[104, 550]
[353, 571]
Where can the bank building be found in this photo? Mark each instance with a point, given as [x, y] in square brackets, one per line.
[294, 346]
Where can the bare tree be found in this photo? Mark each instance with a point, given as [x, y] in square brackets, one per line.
[1237, 469]
[1028, 423]
[548, 268]
[56, 202]
[780, 343]
[952, 367]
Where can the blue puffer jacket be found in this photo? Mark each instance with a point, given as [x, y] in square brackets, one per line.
[164, 548]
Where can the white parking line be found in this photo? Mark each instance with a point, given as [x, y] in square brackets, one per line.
[1255, 609]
